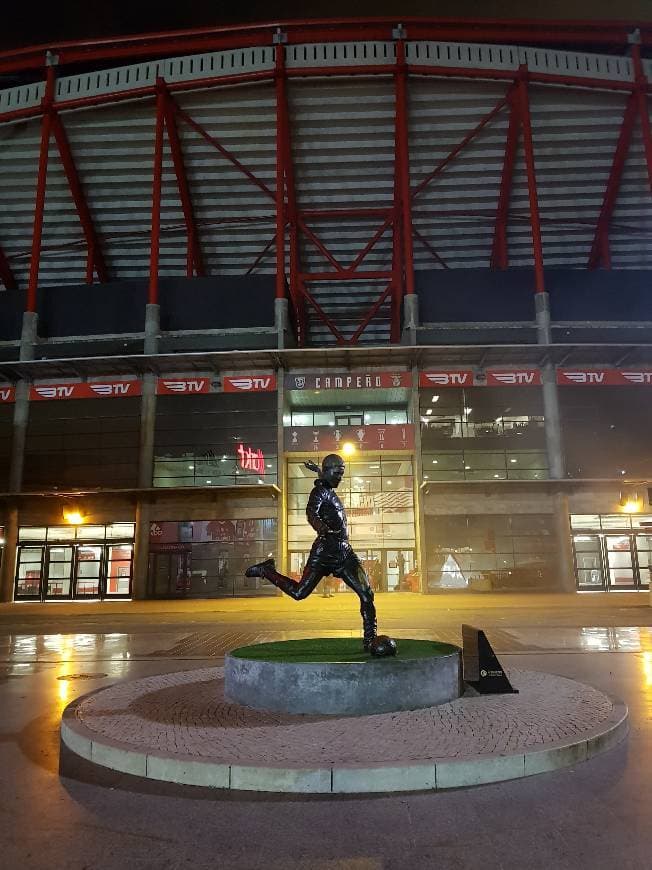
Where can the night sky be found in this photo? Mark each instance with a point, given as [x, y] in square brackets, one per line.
[73, 19]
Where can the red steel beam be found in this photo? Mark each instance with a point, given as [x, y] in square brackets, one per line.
[643, 111]
[41, 182]
[260, 257]
[499, 252]
[223, 151]
[157, 178]
[96, 260]
[402, 157]
[370, 244]
[600, 252]
[528, 147]
[426, 244]
[321, 247]
[195, 256]
[323, 316]
[461, 145]
[6, 275]
[370, 314]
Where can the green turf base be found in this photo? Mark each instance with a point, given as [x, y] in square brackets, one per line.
[337, 649]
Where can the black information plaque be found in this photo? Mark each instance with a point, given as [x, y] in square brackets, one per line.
[482, 670]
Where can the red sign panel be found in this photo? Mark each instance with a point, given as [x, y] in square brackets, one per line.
[349, 381]
[89, 390]
[7, 393]
[330, 439]
[446, 378]
[182, 386]
[249, 383]
[513, 378]
[604, 377]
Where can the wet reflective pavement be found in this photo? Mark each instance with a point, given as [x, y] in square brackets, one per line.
[593, 816]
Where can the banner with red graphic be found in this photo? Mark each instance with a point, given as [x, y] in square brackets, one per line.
[447, 378]
[590, 377]
[249, 383]
[107, 389]
[183, 386]
[7, 393]
[513, 378]
[330, 439]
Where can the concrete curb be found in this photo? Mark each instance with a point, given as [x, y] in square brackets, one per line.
[432, 775]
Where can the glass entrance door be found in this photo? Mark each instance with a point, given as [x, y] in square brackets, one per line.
[58, 572]
[588, 562]
[620, 561]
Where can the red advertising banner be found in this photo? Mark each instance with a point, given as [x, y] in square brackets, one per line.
[349, 381]
[585, 377]
[513, 378]
[7, 393]
[446, 378]
[107, 389]
[330, 439]
[249, 383]
[183, 386]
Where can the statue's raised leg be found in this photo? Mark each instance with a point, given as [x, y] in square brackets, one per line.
[297, 590]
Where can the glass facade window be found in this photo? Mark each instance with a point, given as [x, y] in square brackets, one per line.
[74, 562]
[216, 440]
[485, 465]
[207, 558]
[489, 552]
[378, 494]
[612, 551]
[348, 417]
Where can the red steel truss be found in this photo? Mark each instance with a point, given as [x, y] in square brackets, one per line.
[295, 226]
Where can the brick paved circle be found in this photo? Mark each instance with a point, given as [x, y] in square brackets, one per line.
[184, 716]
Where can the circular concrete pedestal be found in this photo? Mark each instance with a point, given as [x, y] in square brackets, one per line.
[334, 677]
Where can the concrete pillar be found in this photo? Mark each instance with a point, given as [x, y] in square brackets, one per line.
[141, 548]
[564, 564]
[282, 324]
[8, 568]
[152, 327]
[21, 405]
[410, 319]
[551, 413]
[282, 512]
[419, 514]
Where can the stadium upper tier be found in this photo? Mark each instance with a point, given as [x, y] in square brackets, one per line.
[340, 157]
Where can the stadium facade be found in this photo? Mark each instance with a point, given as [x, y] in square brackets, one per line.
[425, 245]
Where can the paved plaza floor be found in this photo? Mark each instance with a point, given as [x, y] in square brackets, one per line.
[594, 815]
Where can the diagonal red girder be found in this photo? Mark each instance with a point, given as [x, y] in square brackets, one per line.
[95, 256]
[195, 256]
[499, 252]
[460, 146]
[261, 255]
[6, 275]
[600, 248]
[322, 314]
[371, 313]
[223, 151]
[426, 244]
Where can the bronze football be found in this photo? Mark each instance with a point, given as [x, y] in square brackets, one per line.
[383, 646]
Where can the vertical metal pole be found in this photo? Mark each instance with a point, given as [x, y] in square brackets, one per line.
[279, 82]
[282, 515]
[419, 513]
[39, 207]
[8, 567]
[156, 193]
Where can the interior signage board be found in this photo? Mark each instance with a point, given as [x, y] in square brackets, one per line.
[106, 389]
[372, 380]
[330, 439]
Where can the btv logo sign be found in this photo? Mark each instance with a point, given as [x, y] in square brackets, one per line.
[251, 460]
[513, 377]
[53, 391]
[117, 388]
[458, 378]
[183, 386]
[7, 394]
[249, 384]
[638, 377]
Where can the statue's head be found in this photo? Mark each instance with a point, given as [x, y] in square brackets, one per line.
[332, 469]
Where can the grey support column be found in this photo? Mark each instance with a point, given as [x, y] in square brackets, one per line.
[550, 394]
[146, 454]
[21, 404]
[8, 569]
[419, 515]
[410, 319]
[282, 324]
[282, 512]
[564, 557]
